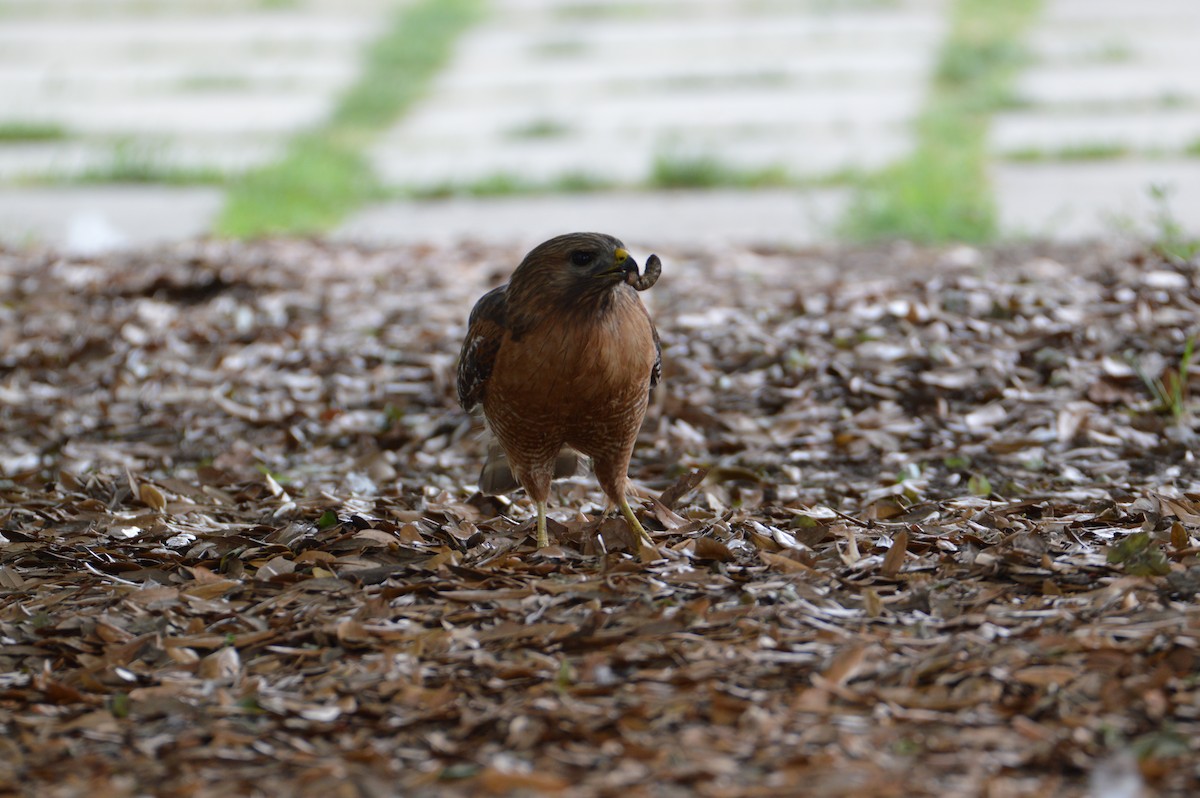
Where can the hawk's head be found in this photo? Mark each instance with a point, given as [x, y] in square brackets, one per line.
[574, 269]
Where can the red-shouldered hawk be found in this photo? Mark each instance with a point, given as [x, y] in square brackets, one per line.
[564, 355]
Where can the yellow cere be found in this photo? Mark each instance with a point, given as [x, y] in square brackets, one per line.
[620, 256]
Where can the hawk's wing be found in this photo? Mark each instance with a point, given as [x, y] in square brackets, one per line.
[656, 372]
[485, 331]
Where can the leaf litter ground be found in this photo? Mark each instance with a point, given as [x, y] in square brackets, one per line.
[929, 527]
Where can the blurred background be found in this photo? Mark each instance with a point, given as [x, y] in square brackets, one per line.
[772, 122]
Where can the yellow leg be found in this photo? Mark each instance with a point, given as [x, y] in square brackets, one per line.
[543, 539]
[636, 525]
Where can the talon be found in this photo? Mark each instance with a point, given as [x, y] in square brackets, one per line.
[644, 539]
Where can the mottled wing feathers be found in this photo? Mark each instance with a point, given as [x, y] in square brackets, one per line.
[656, 372]
[485, 331]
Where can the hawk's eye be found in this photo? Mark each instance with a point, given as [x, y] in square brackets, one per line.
[581, 257]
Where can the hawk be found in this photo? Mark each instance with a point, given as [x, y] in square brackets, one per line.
[564, 355]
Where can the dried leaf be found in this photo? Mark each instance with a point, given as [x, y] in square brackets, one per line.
[152, 497]
[894, 560]
[223, 665]
[712, 549]
[324, 601]
[782, 562]
[276, 566]
[682, 487]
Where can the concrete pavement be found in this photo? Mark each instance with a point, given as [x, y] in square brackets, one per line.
[1109, 108]
[552, 92]
[541, 93]
[99, 93]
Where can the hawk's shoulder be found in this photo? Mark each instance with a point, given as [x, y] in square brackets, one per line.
[485, 331]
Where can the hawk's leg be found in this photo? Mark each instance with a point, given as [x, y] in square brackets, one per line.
[543, 540]
[537, 487]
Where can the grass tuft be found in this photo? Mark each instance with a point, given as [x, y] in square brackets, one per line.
[139, 162]
[1172, 240]
[25, 131]
[538, 129]
[708, 172]
[503, 184]
[1093, 151]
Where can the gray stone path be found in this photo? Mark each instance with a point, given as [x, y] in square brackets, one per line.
[545, 92]
[781, 217]
[161, 89]
[178, 86]
[1111, 108]
[89, 220]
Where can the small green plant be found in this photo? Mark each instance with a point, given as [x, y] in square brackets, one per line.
[907, 473]
[1111, 52]
[459, 771]
[1095, 151]
[134, 161]
[212, 83]
[1163, 743]
[538, 129]
[1171, 240]
[1034, 463]
[1139, 556]
[498, 185]
[28, 131]
[565, 676]
[1170, 390]
[706, 171]
[979, 485]
[848, 176]
[282, 479]
[580, 183]
[392, 415]
[600, 10]
[560, 48]
[1173, 99]
[503, 184]
[956, 462]
[120, 705]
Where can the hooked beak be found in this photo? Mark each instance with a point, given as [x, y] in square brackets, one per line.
[629, 269]
[623, 266]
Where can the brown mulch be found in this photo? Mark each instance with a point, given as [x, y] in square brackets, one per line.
[929, 523]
